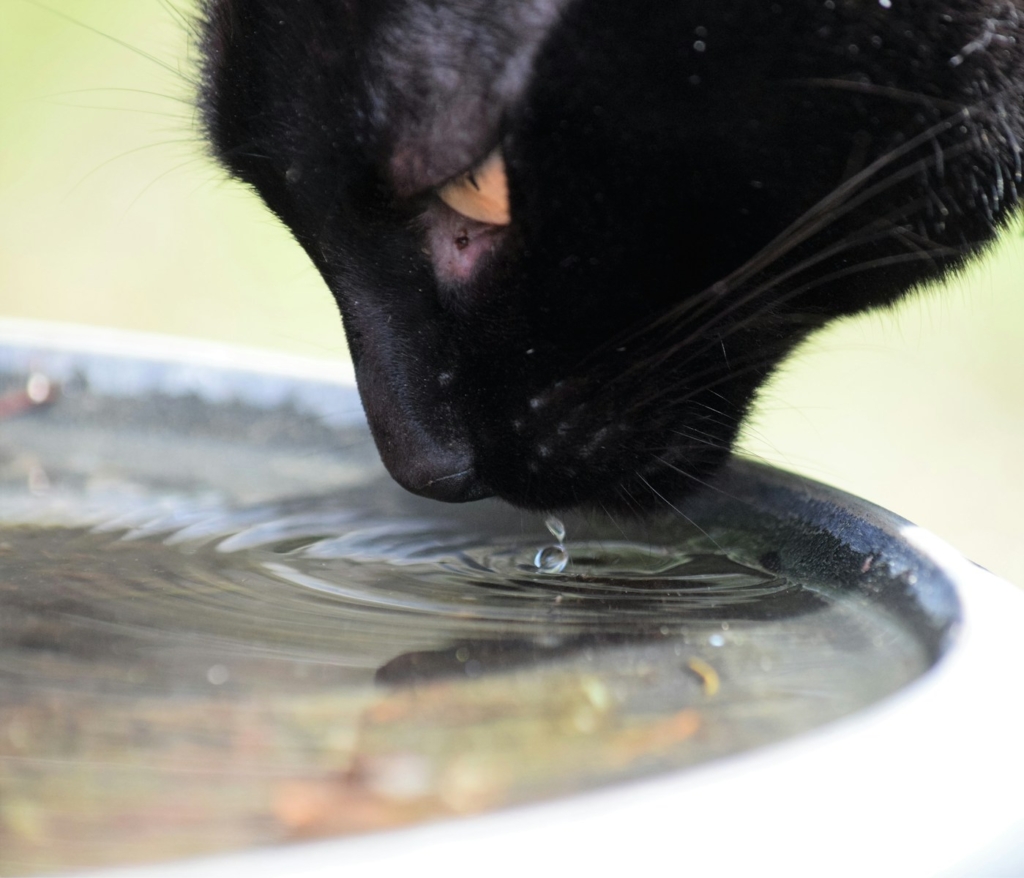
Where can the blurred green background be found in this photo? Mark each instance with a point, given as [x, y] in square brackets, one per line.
[112, 214]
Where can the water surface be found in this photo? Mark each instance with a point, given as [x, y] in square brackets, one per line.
[222, 625]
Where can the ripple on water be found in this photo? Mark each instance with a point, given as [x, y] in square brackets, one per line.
[276, 642]
[349, 564]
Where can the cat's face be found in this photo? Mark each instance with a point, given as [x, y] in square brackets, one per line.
[571, 238]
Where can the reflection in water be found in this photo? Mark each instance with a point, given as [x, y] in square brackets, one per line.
[217, 630]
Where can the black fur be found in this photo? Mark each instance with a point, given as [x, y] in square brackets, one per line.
[696, 185]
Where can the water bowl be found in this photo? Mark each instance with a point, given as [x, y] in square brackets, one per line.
[230, 644]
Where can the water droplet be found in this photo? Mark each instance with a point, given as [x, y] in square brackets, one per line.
[598, 694]
[38, 388]
[555, 528]
[551, 559]
[716, 640]
[473, 668]
[217, 675]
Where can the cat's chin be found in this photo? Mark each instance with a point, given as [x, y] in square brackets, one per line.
[645, 488]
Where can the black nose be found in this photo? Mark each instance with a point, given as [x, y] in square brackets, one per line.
[437, 468]
[437, 472]
[423, 441]
[458, 486]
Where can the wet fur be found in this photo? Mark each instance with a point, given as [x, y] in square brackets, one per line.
[696, 186]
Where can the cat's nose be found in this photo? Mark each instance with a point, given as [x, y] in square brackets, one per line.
[429, 459]
[403, 372]
[452, 482]
[438, 472]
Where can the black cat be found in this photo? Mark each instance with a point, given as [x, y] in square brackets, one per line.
[570, 239]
